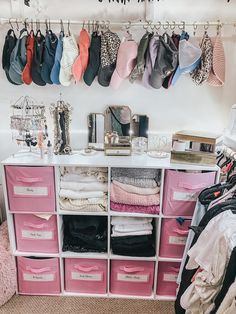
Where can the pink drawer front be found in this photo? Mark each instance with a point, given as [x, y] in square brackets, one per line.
[30, 189]
[182, 189]
[35, 234]
[167, 277]
[86, 275]
[38, 276]
[173, 237]
[132, 277]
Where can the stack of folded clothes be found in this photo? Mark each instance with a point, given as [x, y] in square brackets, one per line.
[132, 236]
[83, 189]
[135, 190]
[85, 234]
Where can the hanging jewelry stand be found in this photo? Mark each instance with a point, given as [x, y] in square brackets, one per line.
[29, 120]
[61, 113]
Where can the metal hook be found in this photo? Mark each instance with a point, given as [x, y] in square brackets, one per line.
[83, 24]
[158, 26]
[206, 26]
[194, 28]
[62, 26]
[103, 24]
[25, 23]
[11, 24]
[68, 27]
[89, 26]
[32, 24]
[46, 24]
[97, 25]
[17, 26]
[167, 25]
[183, 26]
[152, 26]
[107, 25]
[172, 25]
[219, 26]
[128, 26]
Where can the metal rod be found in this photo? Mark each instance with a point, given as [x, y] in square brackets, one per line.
[116, 23]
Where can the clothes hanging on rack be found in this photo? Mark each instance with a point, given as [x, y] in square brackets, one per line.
[205, 279]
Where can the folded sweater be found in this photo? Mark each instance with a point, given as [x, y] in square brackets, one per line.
[136, 190]
[90, 205]
[74, 195]
[130, 220]
[135, 208]
[142, 183]
[70, 177]
[120, 196]
[85, 186]
[138, 173]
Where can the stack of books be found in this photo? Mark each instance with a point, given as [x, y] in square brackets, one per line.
[200, 147]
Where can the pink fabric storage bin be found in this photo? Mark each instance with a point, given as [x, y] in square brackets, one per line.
[167, 277]
[35, 234]
[30, 189]
[86, 275]
[38, 276]
[173, 237]
[132, 277]
[181, 190]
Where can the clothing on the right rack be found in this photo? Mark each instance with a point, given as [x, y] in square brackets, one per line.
[211, 243]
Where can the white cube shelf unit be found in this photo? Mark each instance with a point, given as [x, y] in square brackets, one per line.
[98, 160]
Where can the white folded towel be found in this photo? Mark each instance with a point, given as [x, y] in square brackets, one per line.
[132, 228]
[134, 233]
[78, 195]
[85, 186]
[130, 220]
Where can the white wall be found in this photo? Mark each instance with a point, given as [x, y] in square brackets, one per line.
[184, 106]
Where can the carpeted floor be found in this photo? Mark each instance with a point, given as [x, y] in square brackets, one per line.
[76, 305]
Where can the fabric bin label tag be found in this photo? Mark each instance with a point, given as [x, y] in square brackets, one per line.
[38, 277]
[30, 191]
[37, 235]
[132, 278]
[170, 277]
[177, 240]
[86, 277]
[185, 196]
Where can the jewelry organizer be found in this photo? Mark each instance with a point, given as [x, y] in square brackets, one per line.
[49, 172]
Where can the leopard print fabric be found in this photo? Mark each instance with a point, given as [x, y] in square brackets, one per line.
[110, 43]
[202, 72]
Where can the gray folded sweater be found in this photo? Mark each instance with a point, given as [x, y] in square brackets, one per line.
[136, 173]
[141, 183]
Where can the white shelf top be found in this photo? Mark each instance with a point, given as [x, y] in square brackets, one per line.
[84, 255]
[78, 213]
[100, 160]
